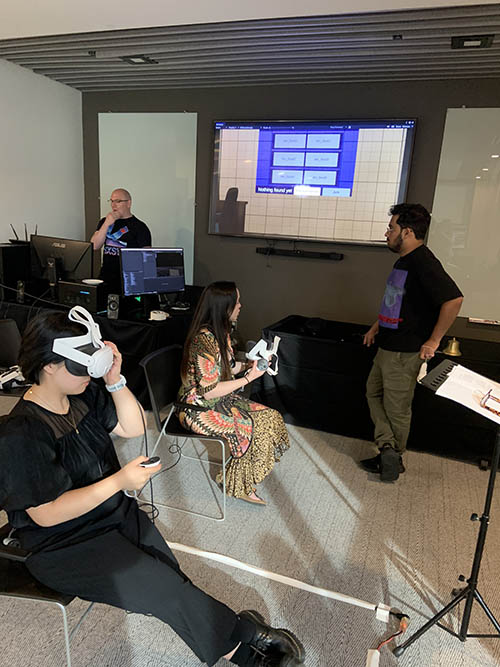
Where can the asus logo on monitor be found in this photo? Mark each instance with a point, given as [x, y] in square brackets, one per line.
[58, 245]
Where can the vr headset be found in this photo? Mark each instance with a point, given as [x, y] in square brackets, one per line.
[87, 354]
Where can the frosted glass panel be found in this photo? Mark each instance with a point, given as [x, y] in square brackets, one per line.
[153, 155]
[465, 229]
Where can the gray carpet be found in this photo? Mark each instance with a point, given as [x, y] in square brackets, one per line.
[327, 523]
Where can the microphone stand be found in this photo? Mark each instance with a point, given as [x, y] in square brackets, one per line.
[470, 592]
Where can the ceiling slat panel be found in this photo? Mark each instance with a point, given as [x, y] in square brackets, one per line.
[358, 47]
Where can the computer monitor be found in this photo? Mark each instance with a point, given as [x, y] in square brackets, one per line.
[152, 270]
[60, 259]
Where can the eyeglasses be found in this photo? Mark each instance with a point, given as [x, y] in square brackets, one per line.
[117, 201]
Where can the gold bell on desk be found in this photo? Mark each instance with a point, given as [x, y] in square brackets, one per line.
[453, 348]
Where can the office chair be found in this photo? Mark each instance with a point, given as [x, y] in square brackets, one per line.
[10, 343]
[17, 582]
[232, 194]
[162, 371]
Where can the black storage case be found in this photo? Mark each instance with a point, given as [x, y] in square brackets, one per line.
[323, 367]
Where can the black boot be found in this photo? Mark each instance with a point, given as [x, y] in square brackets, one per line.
[246, 656]
[274, 646]
[275, 661]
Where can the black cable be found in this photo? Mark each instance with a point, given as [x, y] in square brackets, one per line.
[154, 510]
[174, 448]
[38, 298]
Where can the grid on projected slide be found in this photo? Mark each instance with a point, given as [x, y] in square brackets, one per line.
[361, 217]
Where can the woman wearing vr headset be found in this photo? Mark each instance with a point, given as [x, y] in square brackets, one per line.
[208, 401]
[62, 487]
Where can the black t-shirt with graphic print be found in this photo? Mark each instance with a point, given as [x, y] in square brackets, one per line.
[125, 233]
[416, 289]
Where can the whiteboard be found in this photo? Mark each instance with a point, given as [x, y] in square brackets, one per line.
[153, 156]
[465, 227]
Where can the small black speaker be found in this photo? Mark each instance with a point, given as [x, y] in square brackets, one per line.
[113, 306]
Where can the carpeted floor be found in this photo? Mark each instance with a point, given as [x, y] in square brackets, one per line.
[327, 523]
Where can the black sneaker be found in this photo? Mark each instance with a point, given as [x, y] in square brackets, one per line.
[276, 643]
[373, 464]
[390, 463]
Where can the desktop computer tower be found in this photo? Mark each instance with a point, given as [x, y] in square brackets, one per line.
[14, 267]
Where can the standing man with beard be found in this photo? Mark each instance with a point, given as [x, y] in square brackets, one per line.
[119, 229]
[420, 304]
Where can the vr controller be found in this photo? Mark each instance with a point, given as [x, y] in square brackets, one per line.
[87, 354]
[265, 352]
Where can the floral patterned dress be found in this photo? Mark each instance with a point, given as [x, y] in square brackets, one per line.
[256, 435]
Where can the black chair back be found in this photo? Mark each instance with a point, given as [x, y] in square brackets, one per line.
[15, 578]
[10, 343]
[162, 370]
[232, 194]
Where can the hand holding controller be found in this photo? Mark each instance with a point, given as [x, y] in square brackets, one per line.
[150, 463]
[265, 353]
[134, 475]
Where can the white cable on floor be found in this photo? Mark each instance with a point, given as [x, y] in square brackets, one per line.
[381, 610]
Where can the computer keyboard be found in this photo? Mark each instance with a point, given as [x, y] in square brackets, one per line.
[181, 305]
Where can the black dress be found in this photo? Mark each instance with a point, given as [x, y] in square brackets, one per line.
[112, 554]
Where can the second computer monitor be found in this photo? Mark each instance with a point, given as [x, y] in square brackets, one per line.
[152, 270]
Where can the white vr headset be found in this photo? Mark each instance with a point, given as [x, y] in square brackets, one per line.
[87, 354]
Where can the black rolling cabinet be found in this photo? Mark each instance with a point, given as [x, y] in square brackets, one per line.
[323, 367]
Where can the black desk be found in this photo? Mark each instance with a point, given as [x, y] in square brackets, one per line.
[134, 339]
[323, 367]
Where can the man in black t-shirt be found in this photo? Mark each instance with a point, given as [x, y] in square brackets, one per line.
[420, 303]
[119, 229]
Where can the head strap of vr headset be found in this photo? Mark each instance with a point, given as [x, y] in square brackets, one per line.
[66, 346]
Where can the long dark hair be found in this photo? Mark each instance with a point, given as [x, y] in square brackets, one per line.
[38, 338]
[213, 312]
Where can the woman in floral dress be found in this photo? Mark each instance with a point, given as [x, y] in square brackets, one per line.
[256, 435]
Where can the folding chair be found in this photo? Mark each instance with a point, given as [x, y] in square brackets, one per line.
[17, 582]
[162, 371]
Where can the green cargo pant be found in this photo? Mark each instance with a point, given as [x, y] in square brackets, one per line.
[389, 391]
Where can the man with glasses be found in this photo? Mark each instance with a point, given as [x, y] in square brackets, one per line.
[119, 229]
[420, 303]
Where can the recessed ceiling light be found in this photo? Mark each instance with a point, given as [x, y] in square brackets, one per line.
[478, 176]
[472, 42]
[485, 168]
[139, 60]
[495, 156]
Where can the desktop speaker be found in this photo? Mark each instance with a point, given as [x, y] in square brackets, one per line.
[113, 306]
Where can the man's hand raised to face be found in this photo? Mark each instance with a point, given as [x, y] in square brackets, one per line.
[111, 218]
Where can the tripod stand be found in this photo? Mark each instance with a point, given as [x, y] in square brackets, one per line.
[470, 592]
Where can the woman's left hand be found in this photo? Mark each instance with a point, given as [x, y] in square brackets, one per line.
[113, 375]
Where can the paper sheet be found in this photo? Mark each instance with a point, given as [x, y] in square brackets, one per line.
[474, 391]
